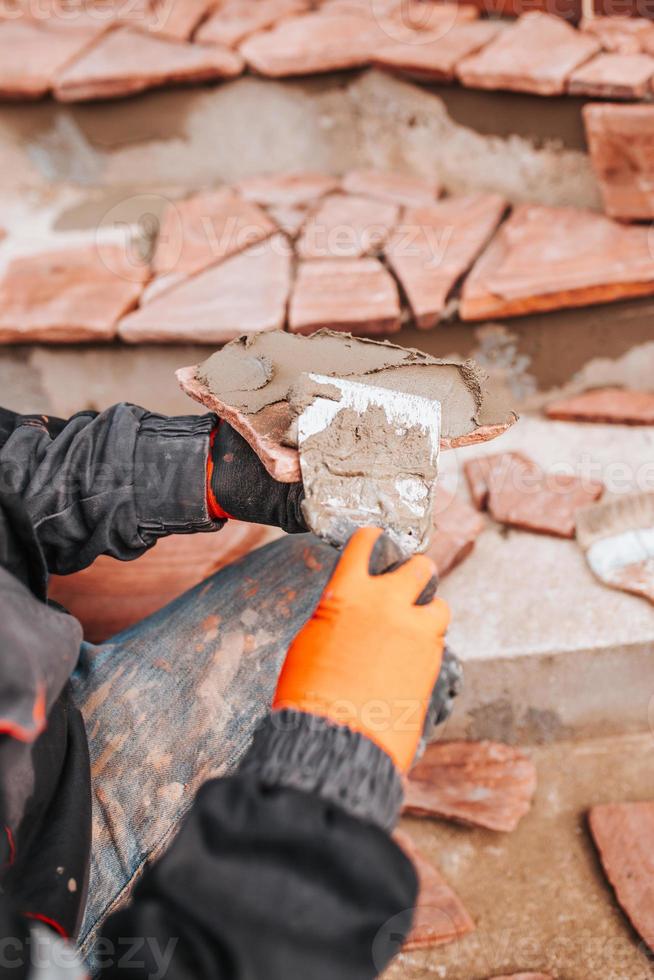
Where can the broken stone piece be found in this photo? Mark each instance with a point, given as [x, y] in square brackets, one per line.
[220, 304]
[547, 258]
[68, 295]
[313, 43]
[613, 76]
[499, 473]
[436, 60]
[125, 61]
[618, 406]
[31, 55]
[234, 20]
[622, 35]
[620, 140]
[346, 226]
[395, 188]
[484, 784]
[624, 835]
[290, 220]
[205, 229]
[440, 917]
[433, 246]
[456, 528]
[286, 190]
[549, 508]
[537, 55]
[248, 382]
[344, 294]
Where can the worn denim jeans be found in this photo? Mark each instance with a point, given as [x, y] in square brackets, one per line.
[174, 700]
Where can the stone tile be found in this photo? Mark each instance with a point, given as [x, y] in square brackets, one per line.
[524, 976]
[169, 18]
[622, 35]
[290, 220]
[347, 226]
[205, 229]
[620, 140]
[624, 835]
[67, 295]
[234, 20]
[436, 60]
[456, 528]
[619, 406]
[537, 55]
[440, 917]
[395, 188]
[551, 258]
[31, 55]
[314, 43]
[220, 303]
[432, 247]
[176, 19]
[548, 506]
[126, 61]
[613, 76]
[483, 784]
[287, 190]
[498, 473]
[111, 595]
[355, 295]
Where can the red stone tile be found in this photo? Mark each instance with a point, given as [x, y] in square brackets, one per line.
[395, 188]
[499, 472]
[551, 258]
[524, 976]
[290, 220]
[622, 35]
[548, 506]
[347, 226]
[175, 18]
[205, 229]
[620, 140]
[457, 527]
[356, 295]
[313, 43]
[484, 784]
[432, 247]
[613, 76]
[68, 295]
[31, 55]
[125, 61]
[111, 595]
[436, 60]
[440, 916]
[624, 835]
[537, 55]
[234, 20]
[170, 18]
[287, 190]
[619, 406]
[220, 303]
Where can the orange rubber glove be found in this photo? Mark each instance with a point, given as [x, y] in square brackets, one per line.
[369, 657]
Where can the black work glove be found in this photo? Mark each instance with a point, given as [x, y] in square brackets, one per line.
[243, 489]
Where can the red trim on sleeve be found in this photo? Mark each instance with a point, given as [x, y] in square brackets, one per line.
[12, 848]
[47, 921]
[215, 510]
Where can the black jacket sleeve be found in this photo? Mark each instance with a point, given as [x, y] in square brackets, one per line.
[109, 483]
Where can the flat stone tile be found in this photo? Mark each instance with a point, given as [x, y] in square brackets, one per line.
[547, 506]
[347, 226]
[220, 303]
[497, 473]
[289, 219]
[205, 229]
[622, 35]
[524, 976]
[624, 835]
[551, 258]
[396, 188]
[482, 784]
[436, 60]
[67, 295]
[313, 43]
[176, 18]
[537, 55]
[433, 246]
[356, 295]
[619, 406]
[457, 526]
[614, 76]
[620, 140]
[440, 916]
[31, 54]
[234, 20]
[169, 18]
[126, 61]
[287, 190]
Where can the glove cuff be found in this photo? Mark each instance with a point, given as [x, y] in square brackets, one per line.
[309, 753]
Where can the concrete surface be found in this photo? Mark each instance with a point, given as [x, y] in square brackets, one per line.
[538, 896]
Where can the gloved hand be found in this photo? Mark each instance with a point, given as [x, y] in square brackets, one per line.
[239, 486]
[369, 657]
